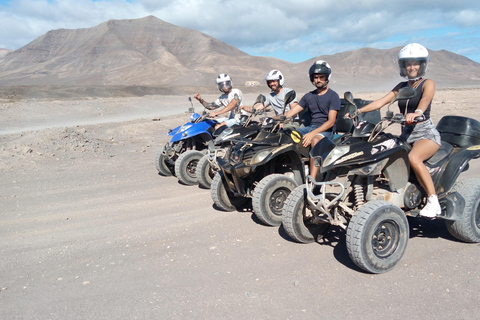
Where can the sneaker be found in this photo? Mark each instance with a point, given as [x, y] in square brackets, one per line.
[432, 208]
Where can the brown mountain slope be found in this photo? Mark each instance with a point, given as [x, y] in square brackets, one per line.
[370, 69]
[145, 51]
[150, 53]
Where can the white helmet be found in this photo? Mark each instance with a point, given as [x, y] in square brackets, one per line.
[275, 75]
[413, 51]
[224, 82]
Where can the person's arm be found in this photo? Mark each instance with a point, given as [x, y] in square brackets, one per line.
[295, 109]
[377, 104]
[256, 106]
[209, 106]
[228, 108]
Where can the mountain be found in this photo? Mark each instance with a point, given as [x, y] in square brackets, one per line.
[154, 55]
[3, 52]
[145, 51]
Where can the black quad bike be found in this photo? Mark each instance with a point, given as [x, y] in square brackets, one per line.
[207, 166]
[265, 169]
[369, 190]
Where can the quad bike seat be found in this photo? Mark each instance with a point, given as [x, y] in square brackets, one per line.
[441, 153]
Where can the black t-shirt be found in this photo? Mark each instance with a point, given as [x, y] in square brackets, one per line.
[412, 104]
[320, 106]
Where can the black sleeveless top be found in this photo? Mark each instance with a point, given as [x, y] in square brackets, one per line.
[412, 104]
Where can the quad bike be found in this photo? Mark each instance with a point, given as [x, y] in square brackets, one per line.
[207, 166]
[265, 169]
[180, 156]
[369, 189]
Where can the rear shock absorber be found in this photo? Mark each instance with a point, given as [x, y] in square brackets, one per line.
[359, 194]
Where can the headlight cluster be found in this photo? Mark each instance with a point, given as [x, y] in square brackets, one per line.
[260, 156]
[335, 154]
[184, 127]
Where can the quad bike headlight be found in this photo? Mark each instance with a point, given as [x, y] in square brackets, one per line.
[260, 156]
[335, 154]
[184, 127]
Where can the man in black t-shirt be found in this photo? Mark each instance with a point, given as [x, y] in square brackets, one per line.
[323, 105]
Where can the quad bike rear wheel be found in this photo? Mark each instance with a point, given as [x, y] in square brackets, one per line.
[162, 165]
[186, 167]
[269, 197]
[297, 218]
[467, 228]
[377, 236]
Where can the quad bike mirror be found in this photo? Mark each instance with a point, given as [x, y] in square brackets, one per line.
[191, 109]
[237, 107]
[406, 93]
[348, 96]
[403, 93]
[289, 97]
[260, 99]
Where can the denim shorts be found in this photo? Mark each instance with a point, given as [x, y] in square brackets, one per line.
[229, 121]
[422, 130]
[307, 129]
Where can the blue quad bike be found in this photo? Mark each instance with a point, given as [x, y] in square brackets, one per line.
[187, 145]
[369, 190]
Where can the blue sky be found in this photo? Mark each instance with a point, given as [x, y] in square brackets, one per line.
[290, 30]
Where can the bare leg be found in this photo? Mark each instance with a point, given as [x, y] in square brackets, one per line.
[218, 125]
[313, 168]
[421, 151]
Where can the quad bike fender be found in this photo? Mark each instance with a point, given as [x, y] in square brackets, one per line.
[453, 206]
[448, 174]
[195, 130]
[294, 159]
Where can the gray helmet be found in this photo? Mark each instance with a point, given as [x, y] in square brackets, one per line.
[320, 67]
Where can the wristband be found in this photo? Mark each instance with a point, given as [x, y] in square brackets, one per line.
[420, 111]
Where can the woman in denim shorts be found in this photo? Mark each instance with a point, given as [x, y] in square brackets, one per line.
[423, 136]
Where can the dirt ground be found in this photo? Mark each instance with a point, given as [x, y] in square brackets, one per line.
[89, 230]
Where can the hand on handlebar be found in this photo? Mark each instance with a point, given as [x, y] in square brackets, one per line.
[354, 114]
[414, 117]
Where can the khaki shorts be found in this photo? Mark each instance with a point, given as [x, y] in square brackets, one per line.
[422, 130]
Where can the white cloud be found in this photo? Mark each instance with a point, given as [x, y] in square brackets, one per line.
[308, 26]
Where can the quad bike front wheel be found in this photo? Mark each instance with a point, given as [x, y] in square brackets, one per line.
[222, 198]
[162, 165]
[297, 219]
[186, 167]
[377, 236]
[269, 197]
[467, 228]
[205, 172]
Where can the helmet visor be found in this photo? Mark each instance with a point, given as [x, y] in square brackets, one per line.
[224, 85]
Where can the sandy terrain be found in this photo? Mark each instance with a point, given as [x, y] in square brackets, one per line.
[89, 230]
